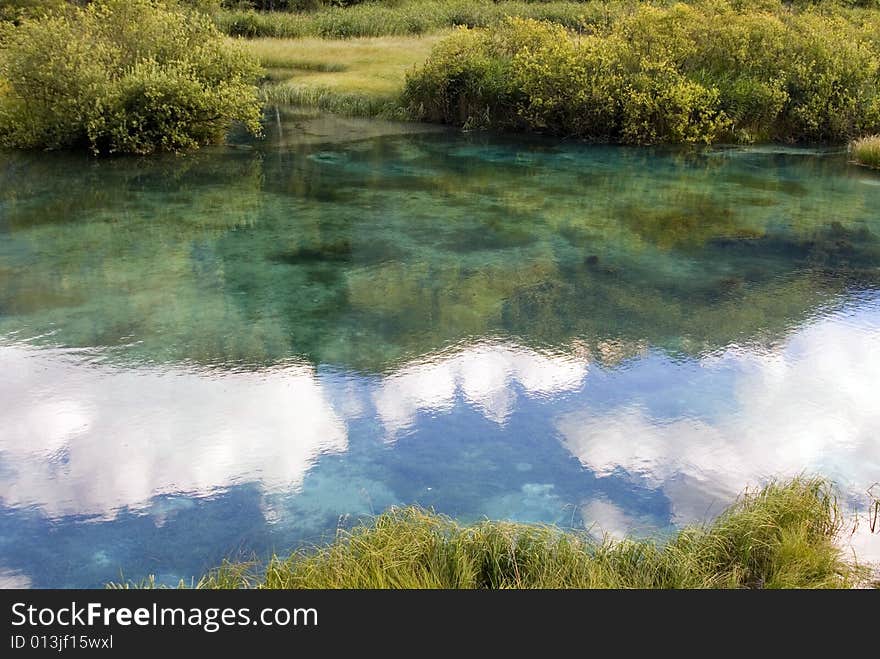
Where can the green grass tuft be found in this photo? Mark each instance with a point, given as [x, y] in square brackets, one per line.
[784, 535]
[866, 151]
[332, 100]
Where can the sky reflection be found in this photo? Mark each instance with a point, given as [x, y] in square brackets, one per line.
[240, 351]
[81, 438]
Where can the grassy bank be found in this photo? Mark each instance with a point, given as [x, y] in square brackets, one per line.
[866, 151]
[621, 71]
[624, 72]
[782, 536]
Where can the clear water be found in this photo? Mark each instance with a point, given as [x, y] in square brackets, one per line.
[241, 350]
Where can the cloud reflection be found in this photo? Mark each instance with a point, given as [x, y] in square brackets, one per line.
[79, 438]
[810, 405]
[486, 375]
[83, 438]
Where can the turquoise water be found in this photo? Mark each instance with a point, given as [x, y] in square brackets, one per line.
[241, 350]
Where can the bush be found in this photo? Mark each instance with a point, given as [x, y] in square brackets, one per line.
[678, 74]
[122, 76]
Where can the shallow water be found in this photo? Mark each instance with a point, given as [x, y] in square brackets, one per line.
[241, 350]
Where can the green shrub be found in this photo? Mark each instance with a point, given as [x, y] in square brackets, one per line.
[866, 151]
[123, 76]
[678, 74]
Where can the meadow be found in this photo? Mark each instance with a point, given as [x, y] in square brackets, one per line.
[362, 76]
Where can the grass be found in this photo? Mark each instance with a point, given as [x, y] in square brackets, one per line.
[784, 535]
[866, 151]
[355, 77]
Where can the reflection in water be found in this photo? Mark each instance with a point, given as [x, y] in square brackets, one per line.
[486, 375]
[84, 439]
[810, 406]
[241, 350]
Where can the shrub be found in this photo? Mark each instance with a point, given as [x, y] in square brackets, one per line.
[123, 76]
[246, 23]
[677, 74]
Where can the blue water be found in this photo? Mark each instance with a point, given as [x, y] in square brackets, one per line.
[242, 350]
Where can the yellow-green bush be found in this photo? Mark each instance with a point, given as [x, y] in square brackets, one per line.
[685, 73]
[123, 76]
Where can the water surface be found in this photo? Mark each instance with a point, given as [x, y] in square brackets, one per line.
[241, 350]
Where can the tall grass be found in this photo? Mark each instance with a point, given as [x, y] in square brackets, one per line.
[782, 536]
[866, 151]
[332, 100]
[413, 17]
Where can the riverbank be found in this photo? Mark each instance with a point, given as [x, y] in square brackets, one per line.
[633, 73]
[785, 535]
[622, 72]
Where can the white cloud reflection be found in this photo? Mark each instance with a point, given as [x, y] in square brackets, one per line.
[811, 406]
[487, 376]
[13, 579]
[80, 438]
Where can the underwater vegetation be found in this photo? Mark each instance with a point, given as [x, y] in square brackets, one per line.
[368, 254]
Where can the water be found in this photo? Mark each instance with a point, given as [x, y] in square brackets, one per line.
[241, 350]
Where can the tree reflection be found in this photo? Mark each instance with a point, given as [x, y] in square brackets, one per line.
[364, 253]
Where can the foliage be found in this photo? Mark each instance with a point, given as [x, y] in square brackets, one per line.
[17, 10]
[123, 77]
[682, 74]
[782, 536]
